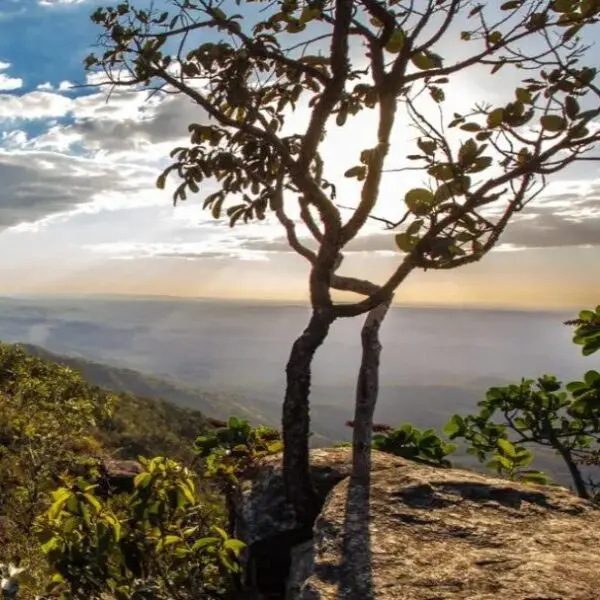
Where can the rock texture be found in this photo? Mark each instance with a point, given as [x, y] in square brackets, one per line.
[117, 475]
[421, 533]
[265, 521]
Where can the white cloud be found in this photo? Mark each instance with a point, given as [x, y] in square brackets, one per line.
[60, 2]
[63, 86]
[37, 185]
[8, 83]
[34, 105]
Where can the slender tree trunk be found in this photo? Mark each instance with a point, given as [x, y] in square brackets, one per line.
[367, 390]
[576, 476]
[580, 487]
[296, 418]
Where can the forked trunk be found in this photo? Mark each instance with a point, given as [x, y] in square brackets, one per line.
[367, 390]
[296, 418]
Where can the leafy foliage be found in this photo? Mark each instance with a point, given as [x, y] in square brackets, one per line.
[411, 442]
[416, 444]
[587, 332]
[54, 425]
[233, 451]
[155, 543]
[533, 413]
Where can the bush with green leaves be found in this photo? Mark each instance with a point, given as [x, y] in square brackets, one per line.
[155, 543]
[421, 445]
[233, 451]
[540, 412]
[408, 441]
[48, 416]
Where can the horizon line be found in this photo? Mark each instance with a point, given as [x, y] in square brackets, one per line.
[269, 301]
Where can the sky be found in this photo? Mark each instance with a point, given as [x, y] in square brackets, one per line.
[80, 213]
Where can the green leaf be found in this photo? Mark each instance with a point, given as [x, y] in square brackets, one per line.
[495, 37]
[442, 172]
[427, 146]
[592, 378]
[142, 480]
[221, 532]
[571, 107]
[495, 118]
[93, 501]
[507, 447]
[309, 14]
[405, 242]
[424, 61]
[534, 476]
[454, 426]
[205, 543]
[480, 164]
[523, 96]
[414, 227]
[396, 41]
[553, 123]
[236, 546]
[419, 201]
[171, 539]
[472, 127]
[359, 171]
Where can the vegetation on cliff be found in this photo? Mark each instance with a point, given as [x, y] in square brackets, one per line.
[59, 515]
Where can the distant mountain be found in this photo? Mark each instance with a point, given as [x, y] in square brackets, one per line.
[120, 379]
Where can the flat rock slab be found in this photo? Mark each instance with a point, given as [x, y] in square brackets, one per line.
[422, 533]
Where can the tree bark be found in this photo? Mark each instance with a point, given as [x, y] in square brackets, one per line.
[367, 391]
[296, 417]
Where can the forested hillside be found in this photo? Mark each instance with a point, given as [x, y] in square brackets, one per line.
[53, 423]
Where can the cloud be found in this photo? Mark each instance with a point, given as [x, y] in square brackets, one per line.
[38, 104]
[130, 122]
[8, 83]
[60, 2]
[63, 86]
[37, 185]
[99, 126]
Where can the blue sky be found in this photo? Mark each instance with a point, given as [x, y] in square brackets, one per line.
[79, 212]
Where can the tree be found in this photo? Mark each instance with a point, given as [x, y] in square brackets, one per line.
[541, 413]
[246, 72]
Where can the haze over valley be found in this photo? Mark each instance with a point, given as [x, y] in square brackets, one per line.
[224, 357]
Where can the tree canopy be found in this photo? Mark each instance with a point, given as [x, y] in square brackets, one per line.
[249, 66]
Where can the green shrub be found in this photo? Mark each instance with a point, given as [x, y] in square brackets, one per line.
[158, 542]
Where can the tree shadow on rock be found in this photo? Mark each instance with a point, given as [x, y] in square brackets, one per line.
[353, 574]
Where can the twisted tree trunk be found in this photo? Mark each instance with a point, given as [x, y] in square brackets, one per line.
[367, 391]
[296, 417]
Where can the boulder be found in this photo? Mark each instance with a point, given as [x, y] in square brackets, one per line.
[117, 475]
[423, 533]
[265, 520]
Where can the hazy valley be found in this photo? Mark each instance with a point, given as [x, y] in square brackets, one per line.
[230, 357]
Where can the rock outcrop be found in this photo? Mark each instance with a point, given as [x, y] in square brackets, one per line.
[117, 476]
[420, 533]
